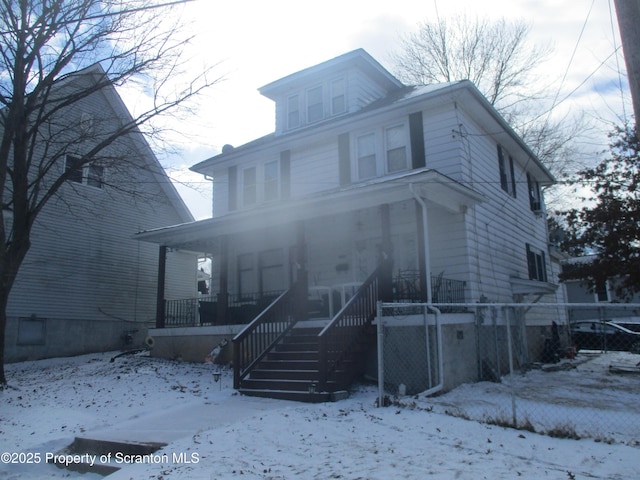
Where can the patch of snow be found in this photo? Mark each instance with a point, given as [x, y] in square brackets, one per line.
[49, 402]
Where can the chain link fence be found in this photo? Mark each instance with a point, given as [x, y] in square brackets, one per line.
[568, 370]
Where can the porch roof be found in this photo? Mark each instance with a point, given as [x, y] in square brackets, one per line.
[436, 189]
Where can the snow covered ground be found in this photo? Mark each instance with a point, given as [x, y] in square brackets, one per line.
[50, 402]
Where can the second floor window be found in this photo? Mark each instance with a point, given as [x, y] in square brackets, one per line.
[396, 147]
[249, 186]
[535, 199]
[271, 181]
[507, 173]
[89, 174]
[367, 164]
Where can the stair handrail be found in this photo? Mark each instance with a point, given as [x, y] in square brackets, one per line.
[260, 336]
[343, 331]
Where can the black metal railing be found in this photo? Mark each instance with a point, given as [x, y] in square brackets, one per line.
[341, 336]
[261, 335]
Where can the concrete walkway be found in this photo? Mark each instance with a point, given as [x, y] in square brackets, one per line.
[180, 422]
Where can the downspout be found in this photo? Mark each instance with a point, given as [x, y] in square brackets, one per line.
[425, 232]
[427, 262]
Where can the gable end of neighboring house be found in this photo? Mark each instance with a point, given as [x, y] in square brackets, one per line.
[86, 284]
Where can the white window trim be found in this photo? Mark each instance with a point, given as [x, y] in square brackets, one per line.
[86, 170]
[245, 185]
[322, 103]
[277, 181]
[332, 95]
[380, 140]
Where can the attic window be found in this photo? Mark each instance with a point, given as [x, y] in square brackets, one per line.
[90, 174]
[293, 112]
[338, 101]
[315, 110]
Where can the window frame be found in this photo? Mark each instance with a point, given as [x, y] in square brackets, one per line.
[316, 116]
[369, 157]
[506, 171]
[249, 188]
[405, 146]
[90, 174]
[535, 195]
[536, 263]
[271, 186]
[340, 96]
[293, 101]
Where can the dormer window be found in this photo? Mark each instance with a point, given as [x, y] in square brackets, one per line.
[338, 99]
[293, 111]
[315, 108]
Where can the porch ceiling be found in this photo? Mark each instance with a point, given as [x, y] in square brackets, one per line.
[436, 189]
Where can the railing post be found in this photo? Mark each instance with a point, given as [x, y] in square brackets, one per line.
[160, 301]
[322, 363]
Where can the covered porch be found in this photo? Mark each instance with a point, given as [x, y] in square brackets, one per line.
[327, 243]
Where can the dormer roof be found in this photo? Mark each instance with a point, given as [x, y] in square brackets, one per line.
[358, 58]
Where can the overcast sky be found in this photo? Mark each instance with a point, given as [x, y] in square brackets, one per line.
[256, 42]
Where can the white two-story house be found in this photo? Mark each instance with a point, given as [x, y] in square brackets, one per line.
[427, 189]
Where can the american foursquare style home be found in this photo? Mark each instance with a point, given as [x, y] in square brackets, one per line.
[367, 190]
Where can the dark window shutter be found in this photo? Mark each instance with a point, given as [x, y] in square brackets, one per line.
[343, 159]
[513, 176]
[233, 188]
[503, 170]
[285, 174]
[416, 134]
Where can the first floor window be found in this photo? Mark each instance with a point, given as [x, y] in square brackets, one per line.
[246, 274]
[537, 264]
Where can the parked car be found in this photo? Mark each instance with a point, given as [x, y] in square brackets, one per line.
[596, 335]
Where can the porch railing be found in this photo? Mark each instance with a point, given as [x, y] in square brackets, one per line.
[241, 309]
[340, 338]
[260, 336]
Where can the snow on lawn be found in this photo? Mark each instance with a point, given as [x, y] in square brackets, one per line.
[49, 402]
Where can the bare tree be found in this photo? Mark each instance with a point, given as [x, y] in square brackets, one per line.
[499, 59]
[55, 54]
[495, 56]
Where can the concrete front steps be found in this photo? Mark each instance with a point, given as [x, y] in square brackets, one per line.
[290, 372]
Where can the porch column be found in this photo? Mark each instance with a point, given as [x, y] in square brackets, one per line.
[302, 276]
[160, 303]
[386, 256]
[223, 293]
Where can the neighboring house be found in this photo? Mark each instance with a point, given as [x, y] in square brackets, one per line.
[86, 284]
[424, 192]
[607, 305]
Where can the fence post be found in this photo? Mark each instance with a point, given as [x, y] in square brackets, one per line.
[380, 332]
[507, 318]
